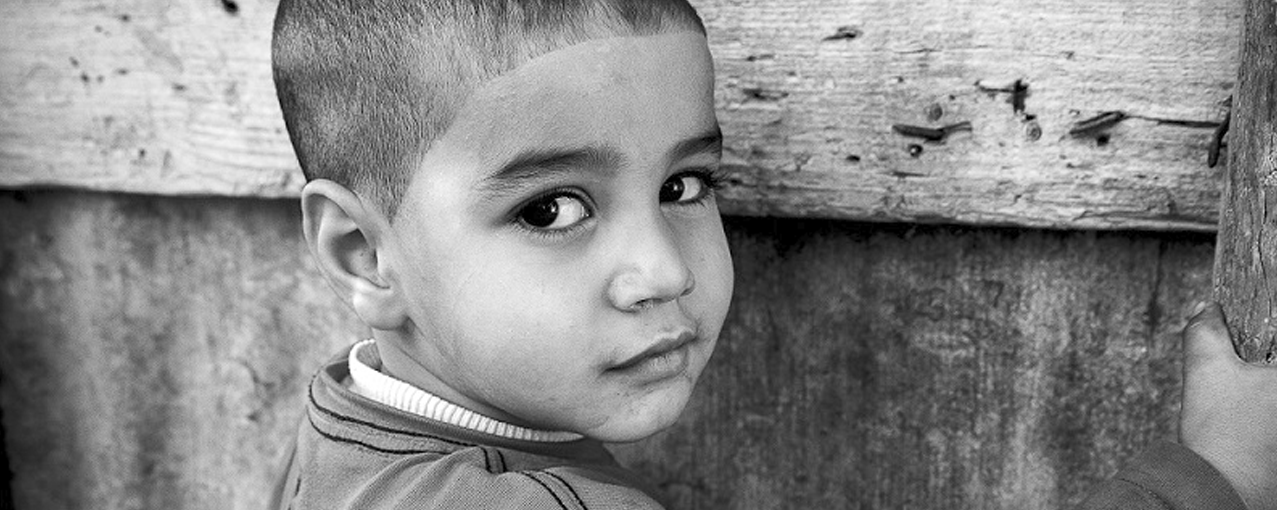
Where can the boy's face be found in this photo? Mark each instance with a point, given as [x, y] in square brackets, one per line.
[560, 251]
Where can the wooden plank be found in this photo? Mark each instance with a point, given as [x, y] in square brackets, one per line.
[152, 96]
[175, 98]
[1247, 242]
[155, 354]
[820, 141]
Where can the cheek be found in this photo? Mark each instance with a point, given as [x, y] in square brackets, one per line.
[711, 264]
[528, 350]
[521, 315]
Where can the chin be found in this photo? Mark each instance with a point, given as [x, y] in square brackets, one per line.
[631, 432]
[655, 413]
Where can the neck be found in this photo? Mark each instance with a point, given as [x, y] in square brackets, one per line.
[398, 361]
[367, 379]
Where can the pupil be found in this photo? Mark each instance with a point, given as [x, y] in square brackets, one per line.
[542, 214]
[671, 191]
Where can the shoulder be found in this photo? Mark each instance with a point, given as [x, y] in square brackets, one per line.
[352, 453]
[1166, 475]
[478, 477]
[581, 487]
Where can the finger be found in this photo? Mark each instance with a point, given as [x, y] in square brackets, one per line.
[1206, 338]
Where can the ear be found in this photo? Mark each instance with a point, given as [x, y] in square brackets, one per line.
[346, 238]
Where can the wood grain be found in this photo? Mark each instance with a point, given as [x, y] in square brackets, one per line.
[155, 96]
[1247, 244]
[824, 147]
[174, 97]
[155, 353]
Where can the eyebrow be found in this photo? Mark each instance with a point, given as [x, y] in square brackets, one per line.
[540, 164]
[709, 142]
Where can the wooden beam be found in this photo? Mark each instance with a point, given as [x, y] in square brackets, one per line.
[811, 112]
[175, 98]
[149, 96]
[1246, 248]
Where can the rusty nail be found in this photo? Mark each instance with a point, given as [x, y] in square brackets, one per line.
[1033, 130]
[934, 112]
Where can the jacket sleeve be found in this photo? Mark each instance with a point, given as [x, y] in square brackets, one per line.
[416, 482]
[451, 484]
[1167, 476]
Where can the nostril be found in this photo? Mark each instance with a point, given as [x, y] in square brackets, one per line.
[645, 304]
[689, 284]
[649, 280]
[639, 305]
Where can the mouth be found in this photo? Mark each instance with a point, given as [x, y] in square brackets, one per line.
[668, 355]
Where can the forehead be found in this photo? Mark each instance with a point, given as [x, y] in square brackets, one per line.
[637, 94]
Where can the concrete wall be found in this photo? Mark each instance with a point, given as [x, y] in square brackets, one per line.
[154, 350]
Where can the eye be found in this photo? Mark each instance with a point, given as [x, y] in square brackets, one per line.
[555, 212]
[684, 188]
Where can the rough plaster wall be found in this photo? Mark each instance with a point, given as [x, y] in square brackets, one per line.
[929, 368]
[154, 350]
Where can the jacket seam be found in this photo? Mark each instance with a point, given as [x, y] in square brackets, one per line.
[346, 440]
[487, 462]
[1155, 496]
[571, 490]
[547, 488]
[350, 419]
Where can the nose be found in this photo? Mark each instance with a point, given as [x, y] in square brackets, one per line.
[652, 269]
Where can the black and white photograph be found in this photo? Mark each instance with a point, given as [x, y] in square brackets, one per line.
[638, 254]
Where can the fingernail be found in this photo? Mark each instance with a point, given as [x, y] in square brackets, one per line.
[1198, 308]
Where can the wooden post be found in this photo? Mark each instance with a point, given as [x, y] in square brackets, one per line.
[1246, 252]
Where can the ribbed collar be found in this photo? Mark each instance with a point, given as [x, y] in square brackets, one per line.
[367, 380]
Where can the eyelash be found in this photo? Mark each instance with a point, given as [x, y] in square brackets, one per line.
[712, 178]
[572, 193]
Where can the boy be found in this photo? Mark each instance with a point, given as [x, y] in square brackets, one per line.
[517, 198]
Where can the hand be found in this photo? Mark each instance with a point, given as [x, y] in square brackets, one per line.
[1230, 410]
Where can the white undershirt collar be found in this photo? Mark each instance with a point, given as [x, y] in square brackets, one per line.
[366, 379]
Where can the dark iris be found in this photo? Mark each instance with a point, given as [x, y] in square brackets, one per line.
[672, 190]
[541, 214]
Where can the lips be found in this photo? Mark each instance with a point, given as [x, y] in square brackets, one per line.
[662, 347]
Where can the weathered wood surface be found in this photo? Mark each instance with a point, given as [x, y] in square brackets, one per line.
[154, 353]
[174, 97]
[155, 96]
[819, 137]
[1247, 245]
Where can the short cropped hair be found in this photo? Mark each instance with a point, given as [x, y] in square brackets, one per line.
[367, 85]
